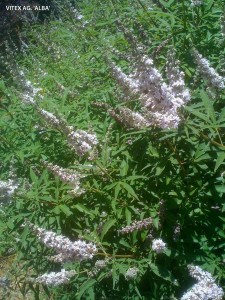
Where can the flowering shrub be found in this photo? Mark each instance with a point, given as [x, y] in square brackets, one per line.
[112, 120]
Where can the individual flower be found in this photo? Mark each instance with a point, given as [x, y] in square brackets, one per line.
[66, 249]
[136, 225]
[208, 73]
[131, 273]
[205, 288]
[158, 245]
[55, 278]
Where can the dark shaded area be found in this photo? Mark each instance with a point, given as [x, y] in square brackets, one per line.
[14, 14]
[12, 20]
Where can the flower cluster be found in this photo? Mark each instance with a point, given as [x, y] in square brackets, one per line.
[7, 190]
[208, 73]
[51, 119]
[55, 278]
[4, 282]
[77, 15]
[160, 100]
[101, 264]
[69, 176]
[66, 249]
[206, 287]
[79, 140]
[131, 273]
[196, 3]
[162, 210]
[136, 225]
[30, 91]
[176, 81]
[176, 232]
[158, 246]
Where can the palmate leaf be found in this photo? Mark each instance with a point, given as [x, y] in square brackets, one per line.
[197, 113]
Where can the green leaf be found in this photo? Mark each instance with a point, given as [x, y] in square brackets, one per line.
[107, 226]
[82, 209]
[197, 113]
[219, 161]
[222, 116]
[65, 209]
[115, 275]
[137, 291]
[20, 154]
[128, 216]
[220, 188]
[124, 168]
[84, 287]
[166, 4]
[117, 190]
[129, 189]
[33, 176]
[159, 170]
[124, 243]
[208, 106]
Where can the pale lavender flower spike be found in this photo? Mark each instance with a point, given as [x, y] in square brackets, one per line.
[196, 3]
[160, 101]
[79, 140]
[66, 249]
[7, 190]
[136, 225]
[205, 288]
[55, 278]
[208, 72]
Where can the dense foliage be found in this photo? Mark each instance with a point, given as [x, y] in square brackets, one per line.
[82, 158]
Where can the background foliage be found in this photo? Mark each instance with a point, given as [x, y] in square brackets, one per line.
[174, 176]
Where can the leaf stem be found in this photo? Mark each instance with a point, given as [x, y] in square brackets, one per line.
[116, 255]
[211, 141]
